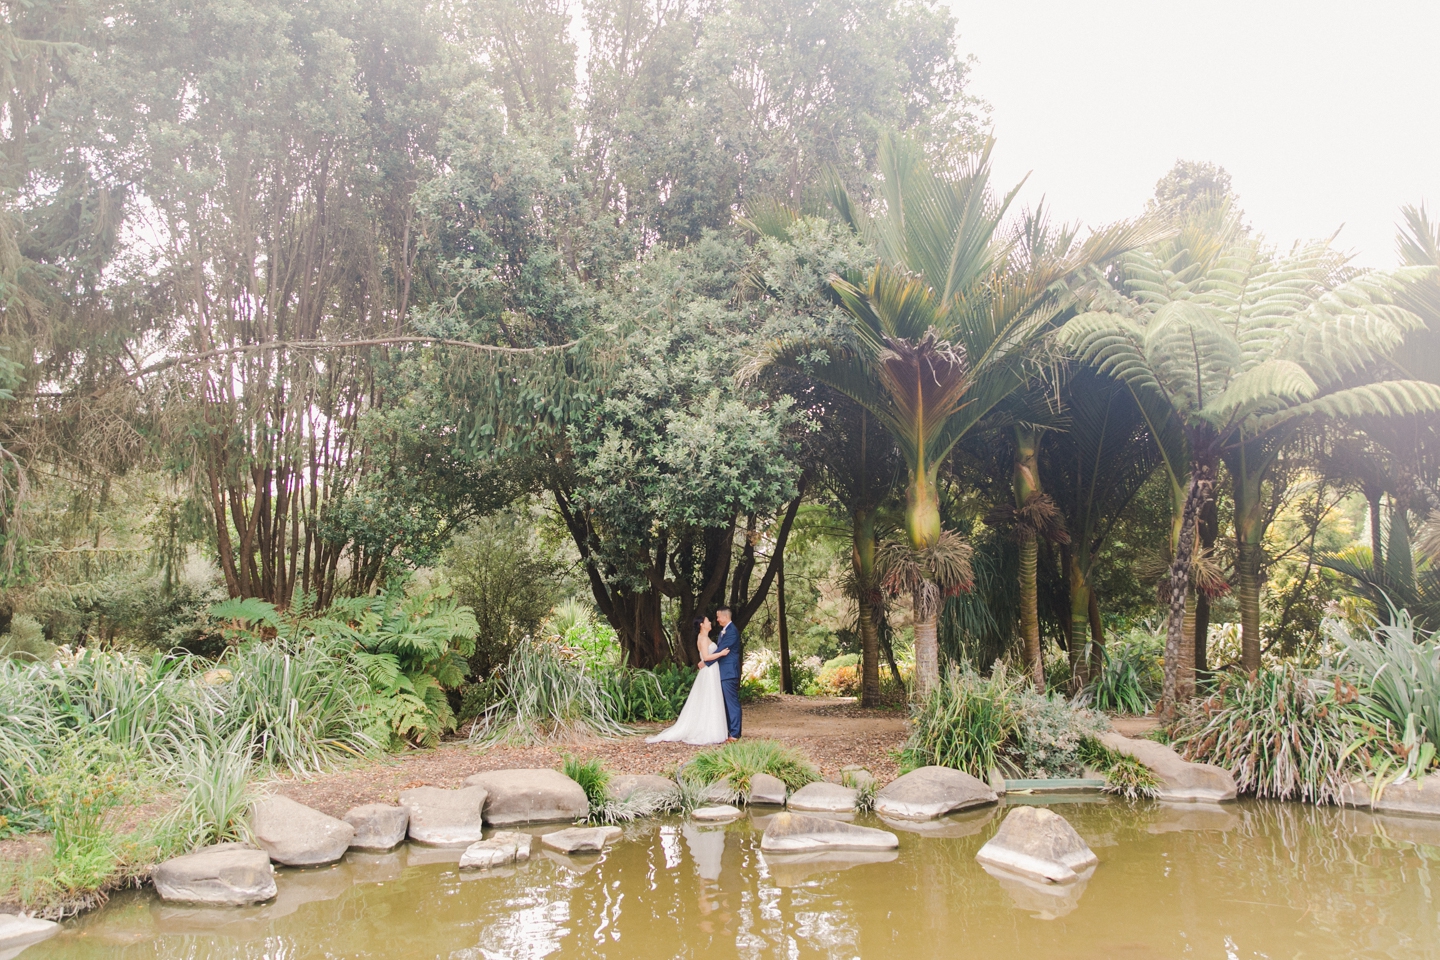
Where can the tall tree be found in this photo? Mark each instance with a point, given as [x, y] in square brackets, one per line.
[1240, 350]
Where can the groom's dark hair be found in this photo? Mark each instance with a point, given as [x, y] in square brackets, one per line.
[720, 610]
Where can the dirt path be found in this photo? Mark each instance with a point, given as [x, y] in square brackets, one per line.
[831, 732]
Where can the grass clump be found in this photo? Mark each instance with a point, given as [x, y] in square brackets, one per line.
[864, 785]
[1124, 775]
[542, 696]
[737, 764]
[1127, 681]
[647, 696]
[605, 807]
[978, 724]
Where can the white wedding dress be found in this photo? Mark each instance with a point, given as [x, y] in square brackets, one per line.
[703, 718]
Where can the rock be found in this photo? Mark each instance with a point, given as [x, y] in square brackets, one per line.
[581, 839]
[821, 797]
[660, 791]
[1037, 844]
[719, 811]
[1407, 799]
[797, 833]
[854, 775]
[378, 826]
[722, 792]
[17, 932]
[931, 792]
[227, 873]
[444, 818]
[1179, 779]
[530, 796]
[767, 789]
[297, 836]
[502, 848]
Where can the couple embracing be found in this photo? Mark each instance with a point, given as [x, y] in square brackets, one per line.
[712, 711]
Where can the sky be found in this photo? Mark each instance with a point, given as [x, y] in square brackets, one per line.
[1326, 114]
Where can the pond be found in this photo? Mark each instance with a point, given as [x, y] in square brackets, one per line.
[1245, 880]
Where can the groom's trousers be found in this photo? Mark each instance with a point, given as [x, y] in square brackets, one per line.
[731, 687]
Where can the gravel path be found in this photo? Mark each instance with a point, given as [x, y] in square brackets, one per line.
[831, 732]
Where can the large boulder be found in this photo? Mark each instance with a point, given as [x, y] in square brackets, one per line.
[765, 789]
[821, 797]
[797, 833]
[530, 796]
[226, 873]
[444, 818]
[378, 826]
[1038, 844]
[296, 835]
[1410, 798]
[500, 849]
[660, 792]
[581, 839]
[17, 933]
[1179, 779]
[931, 792]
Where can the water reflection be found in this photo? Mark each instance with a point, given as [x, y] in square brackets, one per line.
[1043, 901]
[1248, 880]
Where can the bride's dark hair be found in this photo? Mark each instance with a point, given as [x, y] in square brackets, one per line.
[700, 622]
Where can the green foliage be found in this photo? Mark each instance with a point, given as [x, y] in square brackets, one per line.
[736, 763]
[1396, 670]
[865, 787]
[647, 696]
[593, 778]
[25, 640]
[1128, 679]
[1282, 735]
[215, 774]
[980, 724]
[500, 571]
[1124, 775]
[540, 695]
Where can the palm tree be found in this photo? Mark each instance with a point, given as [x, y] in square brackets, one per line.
[1238, 349]
[937, 335]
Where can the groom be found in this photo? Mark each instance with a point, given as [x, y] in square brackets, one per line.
[729, 669]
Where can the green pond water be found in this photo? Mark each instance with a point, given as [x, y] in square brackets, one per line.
[1245, 880]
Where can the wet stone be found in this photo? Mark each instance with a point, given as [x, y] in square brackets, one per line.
[931, 792]
[823, 797]
[444, 817]
[798, 833]
[1039, 845]
[226, 873]
[378, 826]
[581, 839]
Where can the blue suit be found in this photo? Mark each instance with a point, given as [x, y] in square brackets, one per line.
[729, 639]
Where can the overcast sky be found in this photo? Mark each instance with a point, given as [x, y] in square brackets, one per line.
[1325, 113]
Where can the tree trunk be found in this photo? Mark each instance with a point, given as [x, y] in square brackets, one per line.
[927, 642]
[787, 685]
[1025, 483]
[869, 656]
[1249, 534]
[1029, 613]
[1178, 670]
[1377, 540]
[1082, 653]
[1209, 531]
[922, 523]
[862, 556]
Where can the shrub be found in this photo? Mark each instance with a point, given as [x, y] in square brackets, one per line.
[865, 788]
[736, 763]
[1397, 674]
[1281, 735]
[839, 677]
[540, 696]
[647, 696]
[593, 778]
[979, 724]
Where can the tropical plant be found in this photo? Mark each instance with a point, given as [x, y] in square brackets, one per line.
[215, 773]
[984, 725]
[647, 696]
[1282, 735]
[542, 696]
[937, 335]
[1236, 347]
[735, 764]
[1124, 775]
[1396, 670]
[1126, 679]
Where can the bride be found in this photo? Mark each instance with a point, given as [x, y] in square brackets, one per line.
[703, 718]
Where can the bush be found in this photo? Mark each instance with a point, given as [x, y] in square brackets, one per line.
[979, 724]
[1281, 735]
[541, 695]
[1396, 672]
[839, 677]
[737, 763]
[1124, 775]
[647, 696]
